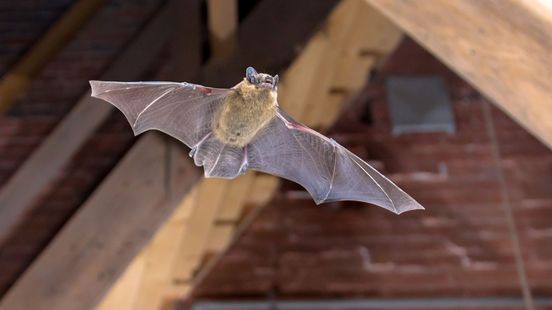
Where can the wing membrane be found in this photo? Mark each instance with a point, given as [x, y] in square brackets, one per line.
[182, 110]
[327, 170]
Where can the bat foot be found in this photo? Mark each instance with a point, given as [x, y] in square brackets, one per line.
[243, 169]
[245, 163]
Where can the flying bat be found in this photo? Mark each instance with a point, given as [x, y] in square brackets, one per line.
[233, 130]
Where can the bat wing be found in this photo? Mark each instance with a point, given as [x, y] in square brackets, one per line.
[327, 170]
[181, 110]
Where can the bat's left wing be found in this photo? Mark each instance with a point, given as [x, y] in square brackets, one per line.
[327, 170]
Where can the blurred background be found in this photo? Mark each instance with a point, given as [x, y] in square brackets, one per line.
[449, 99]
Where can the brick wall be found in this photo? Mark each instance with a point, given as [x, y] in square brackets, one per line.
[21, 24]
[459, 246]
[51, 95]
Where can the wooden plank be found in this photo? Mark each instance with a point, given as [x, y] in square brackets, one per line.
[239, 190]
[83, 261]
[123, 294]
[503, 51]
[266, 42]
[262, 190]
[26, 185]
[222, 24]
[229, 214]
[16, 81]
[161, 255]
[370, 37]
[149, 272]
[220, 237]
[338, 30]
[210, 200]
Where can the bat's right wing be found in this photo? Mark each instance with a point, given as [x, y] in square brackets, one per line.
[182, 110]
[327, 170]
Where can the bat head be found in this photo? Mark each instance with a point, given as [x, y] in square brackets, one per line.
[261, 80]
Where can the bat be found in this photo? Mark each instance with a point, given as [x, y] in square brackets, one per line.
[233, 130]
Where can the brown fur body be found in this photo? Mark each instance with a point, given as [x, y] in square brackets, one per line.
[243, 113]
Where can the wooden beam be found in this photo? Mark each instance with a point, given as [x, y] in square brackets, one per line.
[266, 42]
[83, 261]
[223, 24]
[16, 81]
[26, 185]
[502, 48]
[124, 293]
[186, 236]
[159, 257]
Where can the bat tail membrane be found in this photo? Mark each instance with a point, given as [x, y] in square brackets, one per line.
[219, 159]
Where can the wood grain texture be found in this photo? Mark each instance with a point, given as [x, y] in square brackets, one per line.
[343, 66]
[502, 47]
[83, 261]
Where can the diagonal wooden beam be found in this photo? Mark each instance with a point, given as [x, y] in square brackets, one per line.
[20, 76]
[95, 246]
[26, 185]
[503, 48]
[223, 24]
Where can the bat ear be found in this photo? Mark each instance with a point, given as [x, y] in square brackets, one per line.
[275, 81]
[250, 74]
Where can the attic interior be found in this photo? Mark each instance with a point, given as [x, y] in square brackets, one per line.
[449, 100]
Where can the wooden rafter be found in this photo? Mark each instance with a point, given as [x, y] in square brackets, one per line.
[223, 24]
[212, 215]
[503, 48]
[84, 259]
[16, 81]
